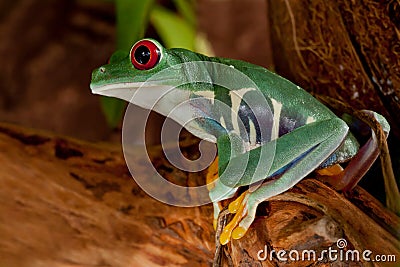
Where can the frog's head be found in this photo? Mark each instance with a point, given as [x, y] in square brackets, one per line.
[143, 67]
[155, 78]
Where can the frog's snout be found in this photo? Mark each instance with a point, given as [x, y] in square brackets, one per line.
[98, 75]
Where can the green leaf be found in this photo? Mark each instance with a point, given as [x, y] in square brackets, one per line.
[186, 9]
[173, 29]
[113, 110]
[132, 20]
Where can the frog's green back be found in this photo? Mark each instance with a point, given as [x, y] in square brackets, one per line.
[259, 99]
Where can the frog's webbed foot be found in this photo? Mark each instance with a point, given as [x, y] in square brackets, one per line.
[218, 193]
[245, 210]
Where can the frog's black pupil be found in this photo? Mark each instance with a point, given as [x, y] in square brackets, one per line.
[142, 54]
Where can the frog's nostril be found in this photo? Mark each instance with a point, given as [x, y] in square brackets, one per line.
[102, 69]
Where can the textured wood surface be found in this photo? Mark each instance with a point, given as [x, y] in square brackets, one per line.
[68, 203]
[348, 50]
[313, 217]
[64, 202]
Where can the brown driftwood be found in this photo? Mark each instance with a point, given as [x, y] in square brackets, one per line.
[68, 203]
[64, 202]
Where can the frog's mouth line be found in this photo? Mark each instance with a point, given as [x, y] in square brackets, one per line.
[160, 98]
[142, 94]
[97, 89]
[119, 90]
[167, 100]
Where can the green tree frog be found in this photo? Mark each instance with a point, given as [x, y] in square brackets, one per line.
[278, 129]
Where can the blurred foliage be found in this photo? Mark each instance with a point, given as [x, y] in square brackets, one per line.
[175, 27]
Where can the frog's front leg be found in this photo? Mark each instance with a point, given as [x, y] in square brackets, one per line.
[297, 154]
[229, 145]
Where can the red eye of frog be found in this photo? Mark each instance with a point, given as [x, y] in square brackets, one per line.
[145, 54]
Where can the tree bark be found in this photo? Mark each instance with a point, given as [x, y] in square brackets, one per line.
[64, 202]
[348, 50]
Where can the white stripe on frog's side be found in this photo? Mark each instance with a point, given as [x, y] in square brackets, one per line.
[310, 119]
[236, 99]
[222, 122]
[206, 94]
[252, 133]
[277, 106]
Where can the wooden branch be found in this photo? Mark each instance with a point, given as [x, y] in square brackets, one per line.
[64, 202]
[314, 217]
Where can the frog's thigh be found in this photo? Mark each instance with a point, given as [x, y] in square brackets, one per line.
[332, 133]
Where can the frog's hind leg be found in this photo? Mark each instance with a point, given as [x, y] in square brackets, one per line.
[361, 162]
[366, 156]
[319, 139]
